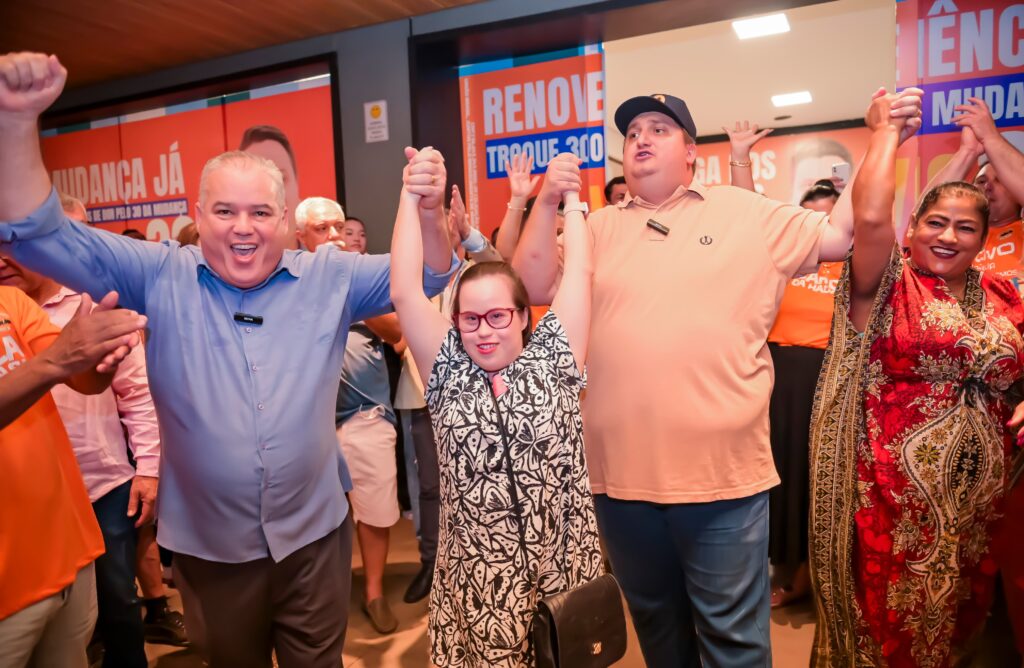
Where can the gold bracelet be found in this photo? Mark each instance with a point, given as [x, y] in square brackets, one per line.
[512, 208]
[738, 163]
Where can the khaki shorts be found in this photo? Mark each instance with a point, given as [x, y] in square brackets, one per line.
[368, 442]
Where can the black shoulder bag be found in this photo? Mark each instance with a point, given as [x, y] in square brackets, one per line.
[583, 627]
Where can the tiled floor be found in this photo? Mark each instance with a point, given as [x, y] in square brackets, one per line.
[792, 628]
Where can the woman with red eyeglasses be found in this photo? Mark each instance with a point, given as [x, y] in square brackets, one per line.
[517, 515]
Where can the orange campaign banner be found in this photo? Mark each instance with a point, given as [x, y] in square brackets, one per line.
[142, 170]
[786, 166]
[539, 106]
[955, 50]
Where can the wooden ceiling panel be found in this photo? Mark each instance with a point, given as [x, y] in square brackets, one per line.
[102, 40]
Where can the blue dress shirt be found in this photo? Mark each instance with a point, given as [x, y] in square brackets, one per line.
[250, 465]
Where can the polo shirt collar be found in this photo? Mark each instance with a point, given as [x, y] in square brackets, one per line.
[696, 187]
[289, 262]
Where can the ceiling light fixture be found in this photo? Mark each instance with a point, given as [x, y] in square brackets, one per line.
[789, 99]
[773, 24]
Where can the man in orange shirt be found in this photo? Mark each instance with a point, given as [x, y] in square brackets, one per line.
[50, 537]
[687, 281]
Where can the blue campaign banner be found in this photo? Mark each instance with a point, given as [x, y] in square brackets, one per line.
[587, 143]
[1004, 96]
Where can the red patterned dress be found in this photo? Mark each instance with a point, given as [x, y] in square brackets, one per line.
[909, 580]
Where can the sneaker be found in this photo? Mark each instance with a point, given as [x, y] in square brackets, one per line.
[381, 617]
[166, 627]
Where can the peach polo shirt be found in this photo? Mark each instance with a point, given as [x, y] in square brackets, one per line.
[676, 409]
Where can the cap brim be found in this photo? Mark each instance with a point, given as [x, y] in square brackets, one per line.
[635, 106]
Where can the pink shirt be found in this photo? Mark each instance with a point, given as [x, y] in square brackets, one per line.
[94, 422]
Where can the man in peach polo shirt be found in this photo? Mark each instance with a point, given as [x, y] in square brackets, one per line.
[687, 281]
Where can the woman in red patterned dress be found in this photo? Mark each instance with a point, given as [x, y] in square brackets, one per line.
[911, 444]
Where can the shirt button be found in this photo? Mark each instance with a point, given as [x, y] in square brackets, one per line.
[259, 406]
[254, 367]
[248, 330]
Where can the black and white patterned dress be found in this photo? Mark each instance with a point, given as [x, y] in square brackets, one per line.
[485, 589]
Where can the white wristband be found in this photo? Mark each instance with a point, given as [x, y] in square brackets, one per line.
[475, 242]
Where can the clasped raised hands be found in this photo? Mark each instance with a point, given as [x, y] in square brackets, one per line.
[425, 176]
[976, 120]
[563, 175]
[900, 110]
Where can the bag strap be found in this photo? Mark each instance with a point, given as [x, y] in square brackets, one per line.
[510, 470]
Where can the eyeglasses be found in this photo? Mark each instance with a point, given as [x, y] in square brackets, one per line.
[497, 318]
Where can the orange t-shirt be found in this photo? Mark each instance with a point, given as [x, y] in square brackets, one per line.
[48, 531]
[805, 315]
[1003, 252]
[679, 369]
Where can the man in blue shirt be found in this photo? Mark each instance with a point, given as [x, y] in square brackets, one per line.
[244, 354]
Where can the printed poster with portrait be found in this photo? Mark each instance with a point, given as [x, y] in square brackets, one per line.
[142, 170]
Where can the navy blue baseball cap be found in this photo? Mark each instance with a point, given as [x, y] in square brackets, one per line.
[669, 105]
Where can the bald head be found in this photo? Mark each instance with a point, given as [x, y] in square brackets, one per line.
[243, 161]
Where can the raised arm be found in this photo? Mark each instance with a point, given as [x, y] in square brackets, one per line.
[1007, 160]
[572, 301]
[741, 139]
[476, 244]
[423, 325]
[521, 183]
[427, 166]
[874, 190]
[78, 256]
[29, 84]
[903, 107]
[536, 257]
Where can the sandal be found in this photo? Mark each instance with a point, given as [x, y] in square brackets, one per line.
[783, 596]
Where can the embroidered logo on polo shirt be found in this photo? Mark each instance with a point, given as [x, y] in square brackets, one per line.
[706, 240]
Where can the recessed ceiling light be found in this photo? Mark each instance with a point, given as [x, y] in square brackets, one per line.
[789, 99]
[773, 24]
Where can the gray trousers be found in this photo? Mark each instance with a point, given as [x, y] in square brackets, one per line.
[236, 613]
[417, 425]
[54, 632]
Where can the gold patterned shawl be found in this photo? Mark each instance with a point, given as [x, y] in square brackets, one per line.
[837, 427]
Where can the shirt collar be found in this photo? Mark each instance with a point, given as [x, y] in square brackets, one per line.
[696, 187]
[60, 296]
[289, 262]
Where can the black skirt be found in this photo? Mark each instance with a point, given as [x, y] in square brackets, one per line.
[796, 375]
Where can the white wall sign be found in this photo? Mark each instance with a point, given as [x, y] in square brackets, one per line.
[375, 119]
